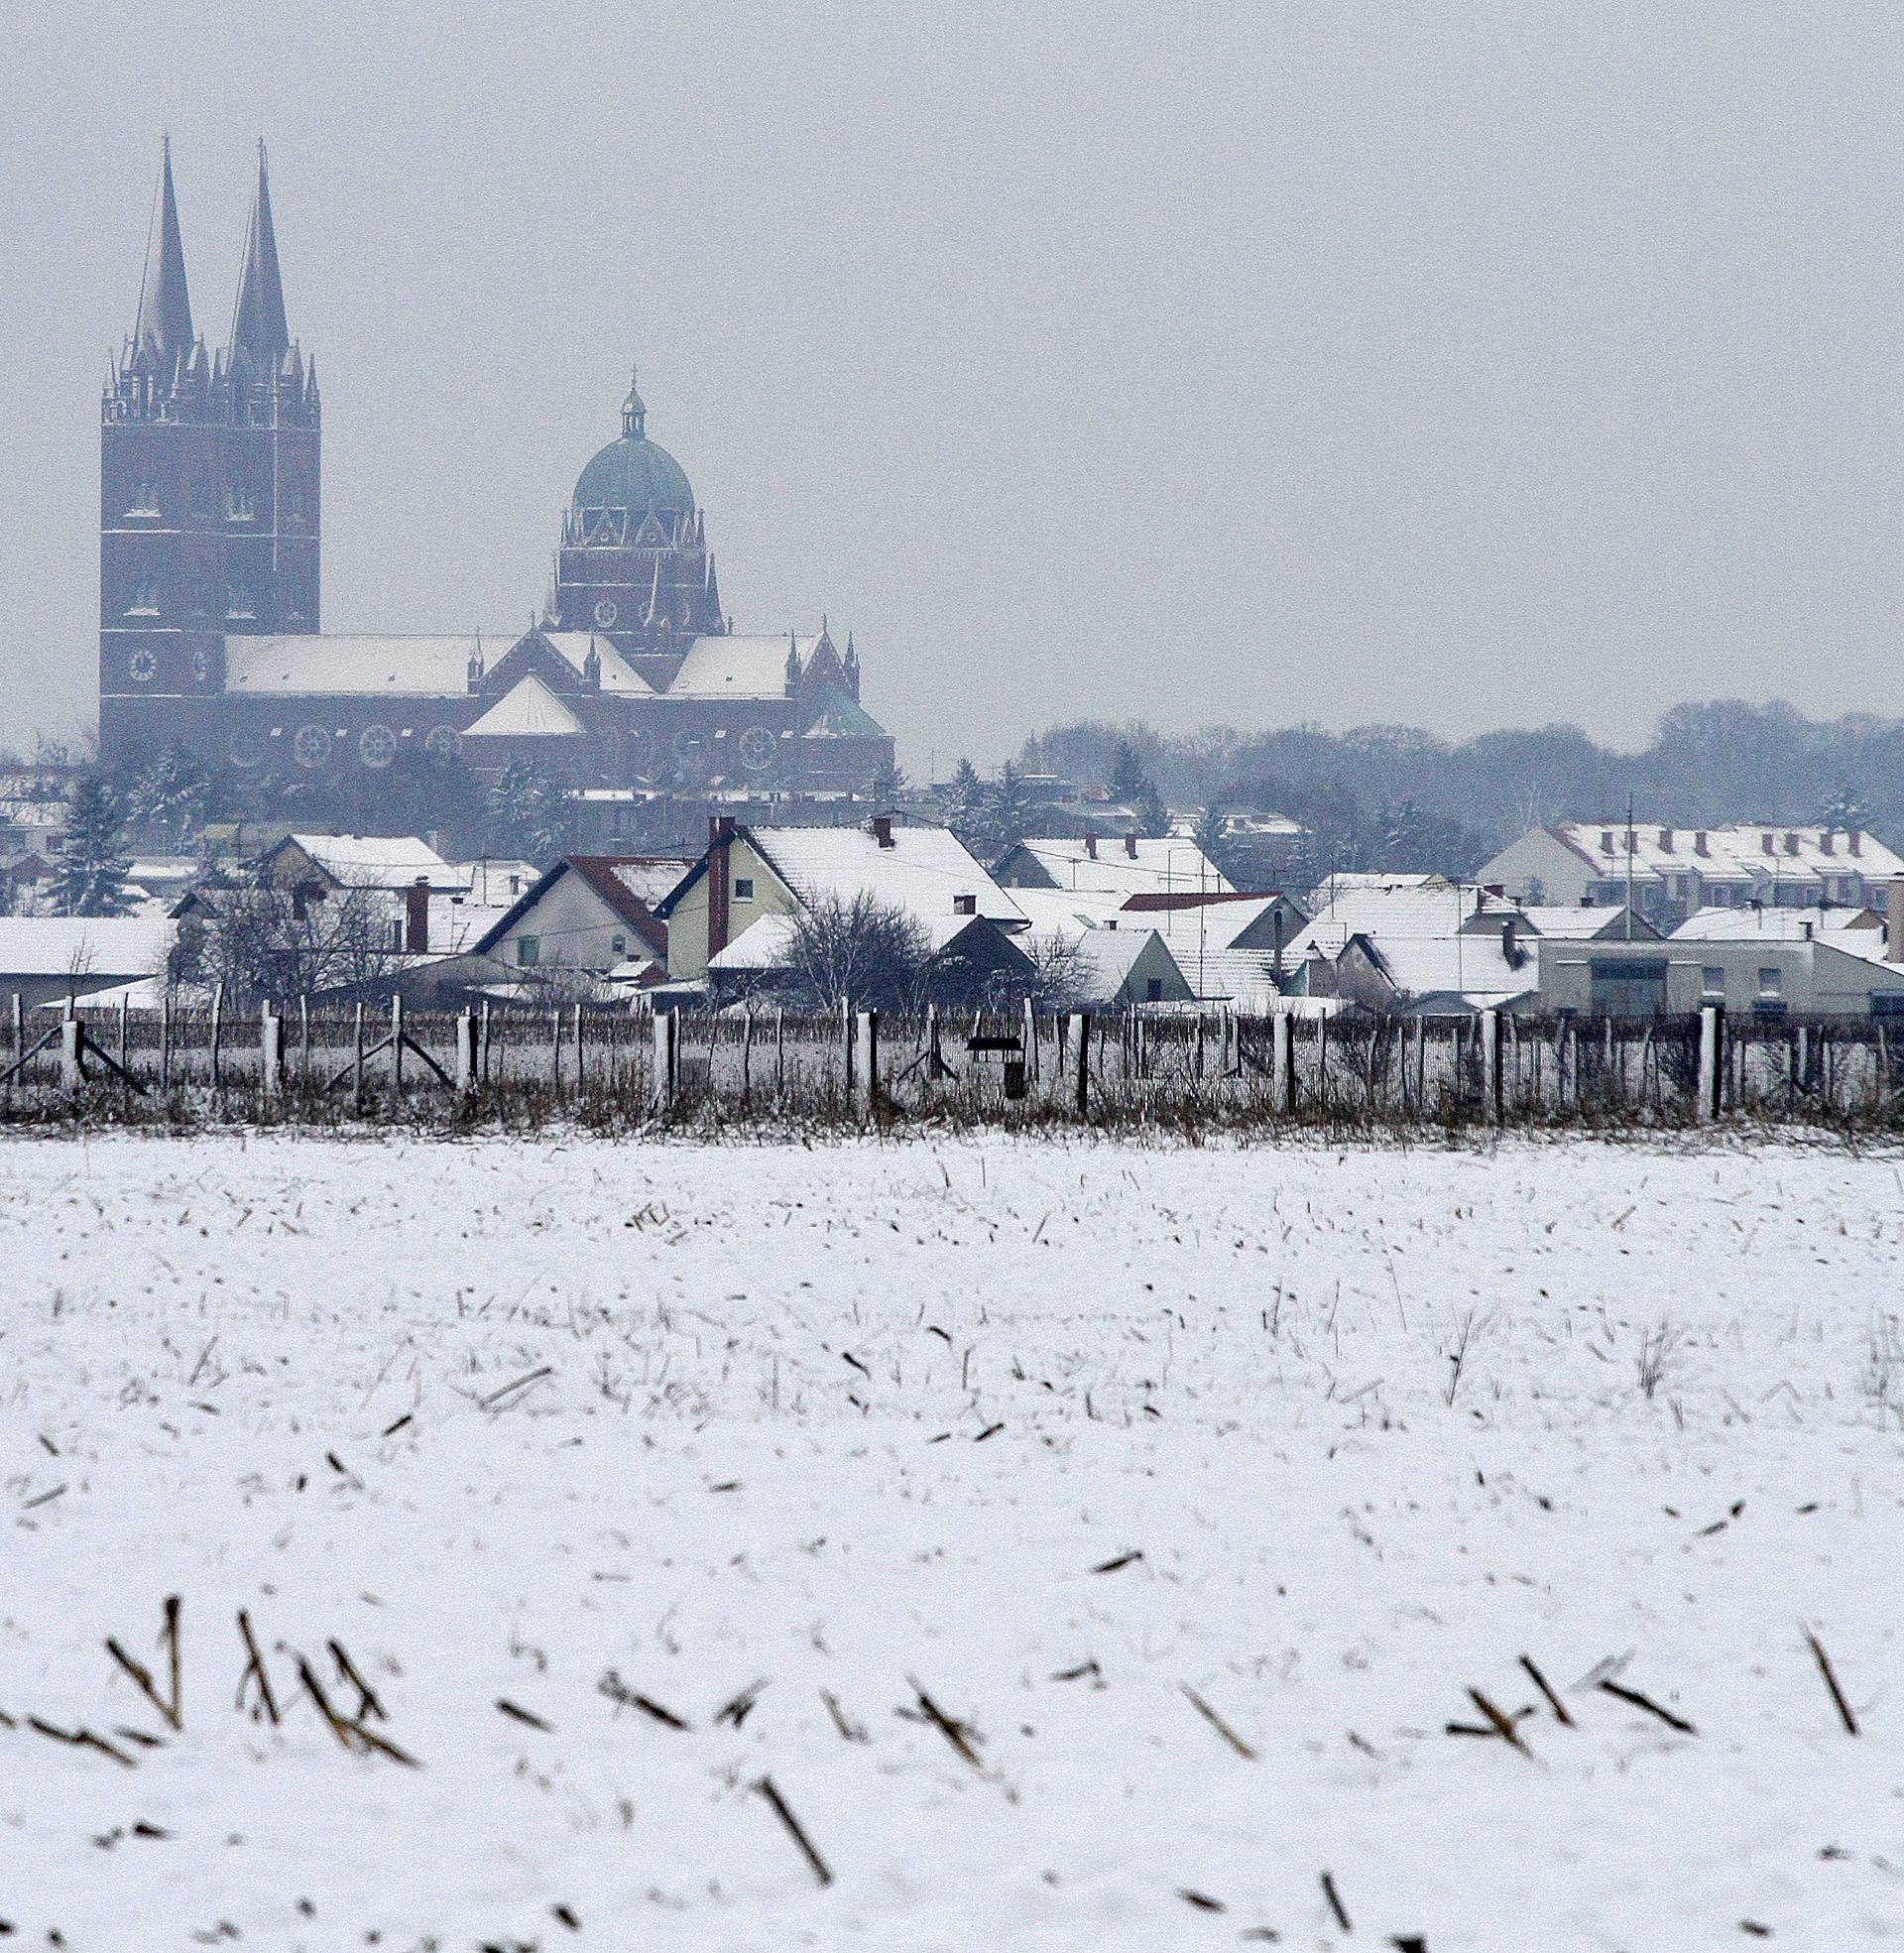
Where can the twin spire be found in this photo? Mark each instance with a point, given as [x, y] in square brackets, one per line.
[163, 336]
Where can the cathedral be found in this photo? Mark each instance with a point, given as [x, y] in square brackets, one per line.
[211, 525]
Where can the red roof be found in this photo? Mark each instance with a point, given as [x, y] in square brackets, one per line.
[599, 871]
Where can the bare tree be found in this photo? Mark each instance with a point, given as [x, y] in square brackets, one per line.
[865, 951]
[263, 941]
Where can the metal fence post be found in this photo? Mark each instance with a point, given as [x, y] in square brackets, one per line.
[397, 1041]
[1493, 1082]
[466, 1051]
[70, 1033]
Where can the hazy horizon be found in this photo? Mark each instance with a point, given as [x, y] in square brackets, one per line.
[1461, 368]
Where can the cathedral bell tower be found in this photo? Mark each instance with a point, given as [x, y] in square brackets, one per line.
[208, 489]
[634, 563]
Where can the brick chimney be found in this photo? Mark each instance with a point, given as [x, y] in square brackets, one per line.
[1090, 846]
[1699, 842]
[1131, 846]
[720, 879]
[882, 826]
[1894, 923]
[417, 917]
[1665, 841]
[1856, 839]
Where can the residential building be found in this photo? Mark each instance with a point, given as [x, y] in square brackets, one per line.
[589, 913]
[750, 874]
[1750, 975]
[1673, 872]
[1120, 960]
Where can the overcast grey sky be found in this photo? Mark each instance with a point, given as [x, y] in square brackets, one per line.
[1464, 364]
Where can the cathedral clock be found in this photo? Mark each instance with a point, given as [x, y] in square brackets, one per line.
[605, 613]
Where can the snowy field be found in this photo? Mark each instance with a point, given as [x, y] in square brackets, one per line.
[1090, 1545]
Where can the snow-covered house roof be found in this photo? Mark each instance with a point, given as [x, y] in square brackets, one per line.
[374, 861]
[925, 871]
[526, 710]
[122, 947]
[1573, 924]
[1777, 924]
[1133, 866]
[1741, 851]
[762, 945]
[1360, 881]
[1478, 970]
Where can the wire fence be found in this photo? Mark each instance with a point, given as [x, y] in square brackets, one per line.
[326, 1064]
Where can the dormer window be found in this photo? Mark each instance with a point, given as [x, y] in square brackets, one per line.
[239, 603]
[965, 905]
[241, 504]
[144, 597]
[144, 500]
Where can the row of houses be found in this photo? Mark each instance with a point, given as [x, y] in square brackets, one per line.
[1108, 923]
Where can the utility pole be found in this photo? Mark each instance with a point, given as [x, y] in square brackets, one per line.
[1629, 864]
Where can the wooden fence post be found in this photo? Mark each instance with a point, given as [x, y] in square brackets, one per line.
[70, 1033]
[466, 1051]
[217, 1031]
[667, 1058]
[1030, 1034]
[397, 1041]
[1283, 1062]
[165, 1041]
[125, 1040]
[1712, 1075]
[357, 1062]
[1494, 1084]
[18, 1054]
[303, 1037]
[865, 1061]
[484, 1044]
[581, 1077]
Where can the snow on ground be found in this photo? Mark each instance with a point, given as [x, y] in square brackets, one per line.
[1150, 1469]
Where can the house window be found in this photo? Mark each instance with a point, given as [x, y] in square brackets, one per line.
[529, 951]
[743, 887]
[965, 905]
[619, 944]
[1154, 990]
[1771, 982]
[1711, 980]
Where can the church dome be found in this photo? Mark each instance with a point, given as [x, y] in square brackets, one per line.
[634, 472]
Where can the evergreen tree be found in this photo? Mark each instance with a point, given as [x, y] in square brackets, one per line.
[1843, 811]
[89, 870]
[169, 796]
[888, 783]
[1153, 818]
[1213, 838]
[1127, 777]
[527, 813]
